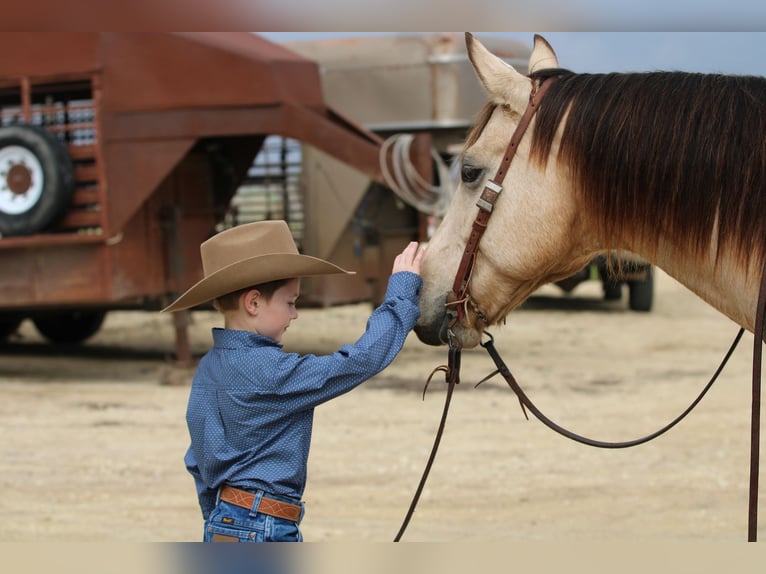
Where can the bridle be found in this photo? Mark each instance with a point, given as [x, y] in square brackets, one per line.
[459, 299]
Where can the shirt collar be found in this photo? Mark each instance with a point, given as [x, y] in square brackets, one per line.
[235, 339]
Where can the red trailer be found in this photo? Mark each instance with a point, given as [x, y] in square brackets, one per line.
[119, 153]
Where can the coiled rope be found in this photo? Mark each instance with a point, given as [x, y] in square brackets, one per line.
[408, 184]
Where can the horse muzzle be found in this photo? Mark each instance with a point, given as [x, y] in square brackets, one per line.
[430, 333]
[441, 327]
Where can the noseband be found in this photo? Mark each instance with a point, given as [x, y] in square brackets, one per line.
[459, 298]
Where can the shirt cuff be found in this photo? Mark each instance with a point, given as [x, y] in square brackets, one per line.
[404, 285]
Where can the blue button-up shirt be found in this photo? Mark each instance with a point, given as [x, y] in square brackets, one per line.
[251, 405]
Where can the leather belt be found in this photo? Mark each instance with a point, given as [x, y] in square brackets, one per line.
[270, 506]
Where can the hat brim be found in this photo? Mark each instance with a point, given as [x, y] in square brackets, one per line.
[253, 271]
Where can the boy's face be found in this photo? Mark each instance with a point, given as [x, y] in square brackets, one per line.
[274, 314]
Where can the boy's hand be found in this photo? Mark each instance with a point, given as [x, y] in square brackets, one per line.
[409, 259]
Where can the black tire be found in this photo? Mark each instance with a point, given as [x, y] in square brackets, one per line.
[9, 322]
[69, 327]
[37, 180]
[612, 290]
[642, 293]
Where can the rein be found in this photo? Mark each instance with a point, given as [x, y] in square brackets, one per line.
[752, 529]
[459, 298]
[525, 401]
[755, 411]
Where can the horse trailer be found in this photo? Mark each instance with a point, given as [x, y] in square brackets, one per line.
[120, 153]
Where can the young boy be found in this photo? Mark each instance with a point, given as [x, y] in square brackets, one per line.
[251, 404]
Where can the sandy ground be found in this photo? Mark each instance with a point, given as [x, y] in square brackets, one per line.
[93, 438]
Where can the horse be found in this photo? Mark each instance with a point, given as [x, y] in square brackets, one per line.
[667, 165]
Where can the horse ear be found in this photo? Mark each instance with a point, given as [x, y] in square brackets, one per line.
[501, 80]
[543, 56]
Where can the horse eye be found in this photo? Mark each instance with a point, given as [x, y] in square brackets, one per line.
[470, 173]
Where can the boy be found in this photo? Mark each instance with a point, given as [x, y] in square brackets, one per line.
[251, 405]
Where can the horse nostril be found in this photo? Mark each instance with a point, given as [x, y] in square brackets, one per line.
[428, 335]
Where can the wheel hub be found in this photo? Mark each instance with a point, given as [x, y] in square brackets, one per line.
[19, 179]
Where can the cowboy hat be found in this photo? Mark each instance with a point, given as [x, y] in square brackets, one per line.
[248, 255]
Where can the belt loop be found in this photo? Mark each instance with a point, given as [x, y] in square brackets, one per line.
[256, 502]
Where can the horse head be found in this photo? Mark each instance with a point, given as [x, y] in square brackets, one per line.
[536, 233]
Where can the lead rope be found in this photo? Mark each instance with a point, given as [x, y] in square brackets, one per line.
[452, 376]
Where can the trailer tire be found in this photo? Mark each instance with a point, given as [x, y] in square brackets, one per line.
[69, 327]
[37, 179]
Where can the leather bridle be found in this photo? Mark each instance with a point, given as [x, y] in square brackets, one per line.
[459, 299]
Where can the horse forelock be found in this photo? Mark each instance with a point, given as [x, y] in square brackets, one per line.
[482, 118]
[671, 153]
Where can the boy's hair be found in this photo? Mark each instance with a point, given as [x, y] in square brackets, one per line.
[230, 301]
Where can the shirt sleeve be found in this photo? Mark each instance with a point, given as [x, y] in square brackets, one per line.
[305, 381]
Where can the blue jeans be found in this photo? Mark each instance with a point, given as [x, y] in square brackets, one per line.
[230, 523]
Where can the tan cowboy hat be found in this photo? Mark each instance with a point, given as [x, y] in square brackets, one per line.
[248, 255]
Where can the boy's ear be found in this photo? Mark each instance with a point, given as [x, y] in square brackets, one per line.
[250, 299]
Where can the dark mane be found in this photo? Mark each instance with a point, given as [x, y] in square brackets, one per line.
[668, 152]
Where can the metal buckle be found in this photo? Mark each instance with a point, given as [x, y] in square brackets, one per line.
[483, 203]
[493, 186]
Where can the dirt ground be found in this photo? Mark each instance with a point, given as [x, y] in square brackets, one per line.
[93, 438]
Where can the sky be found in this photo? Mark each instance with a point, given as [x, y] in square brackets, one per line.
[383, 15]
[709, 52]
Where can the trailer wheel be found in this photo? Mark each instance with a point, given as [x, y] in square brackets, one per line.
[69, 327]
[36, 179]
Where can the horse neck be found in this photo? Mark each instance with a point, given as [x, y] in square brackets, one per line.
[727, 284]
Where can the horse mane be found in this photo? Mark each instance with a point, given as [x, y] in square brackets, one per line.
[672, 153]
